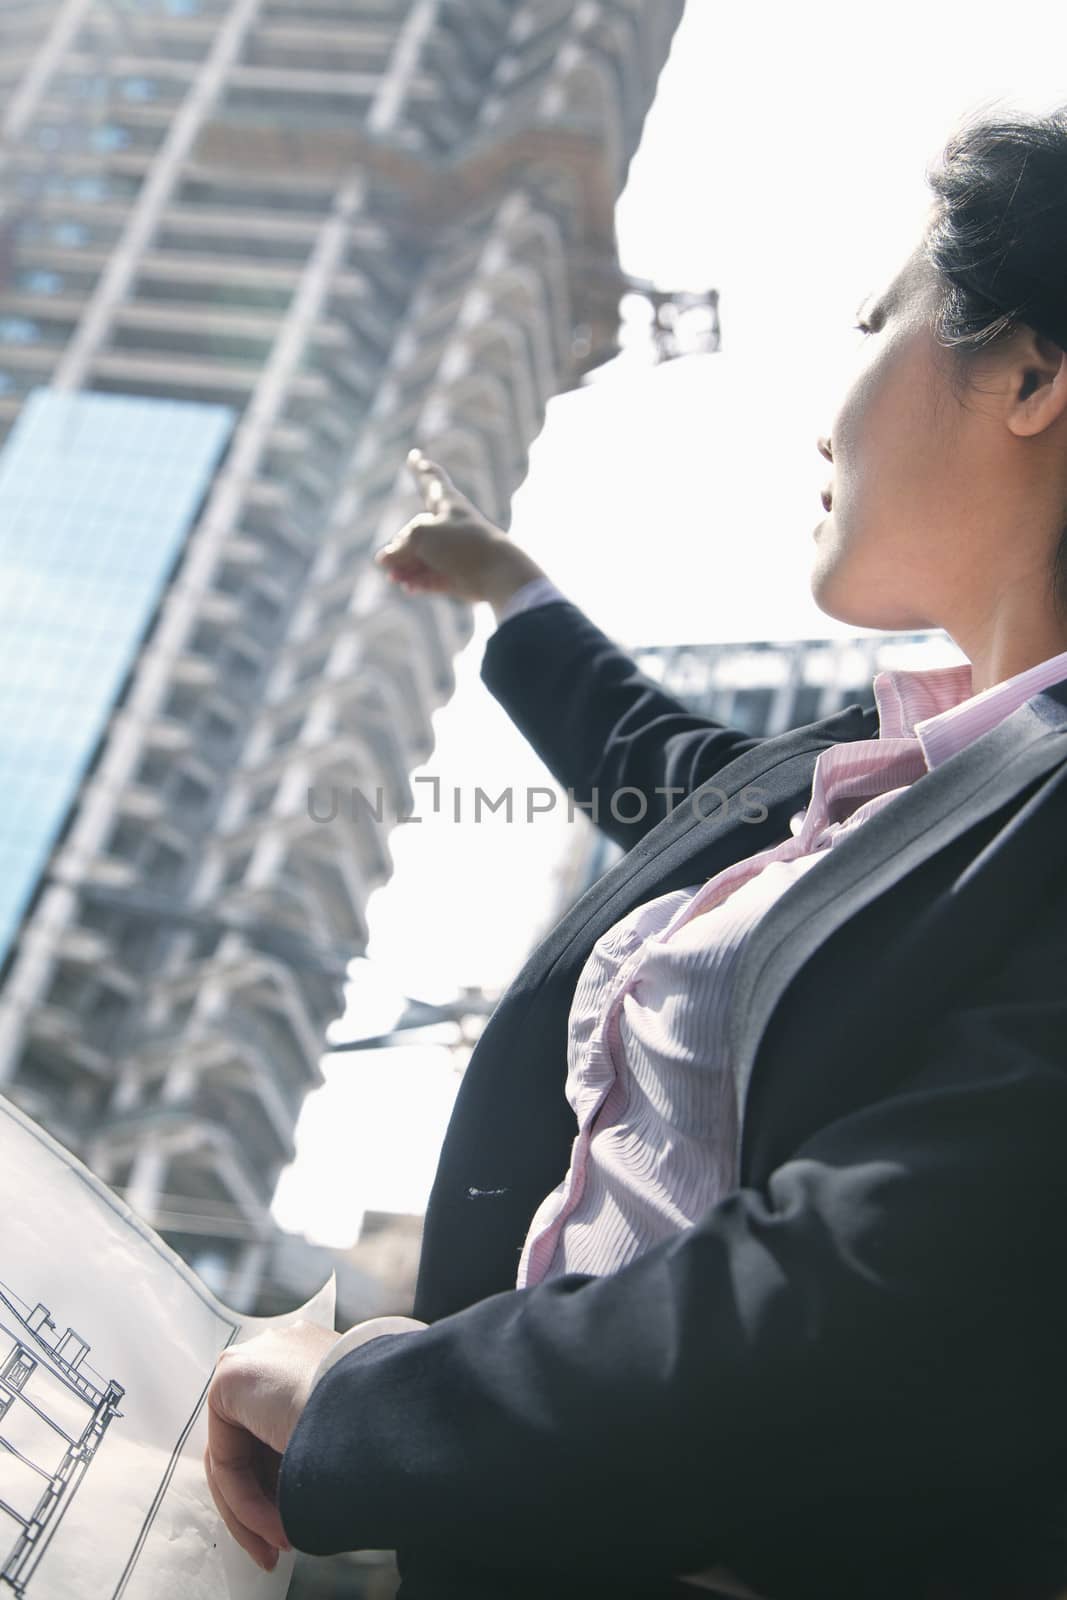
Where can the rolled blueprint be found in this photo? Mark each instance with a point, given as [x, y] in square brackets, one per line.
[108, 1342]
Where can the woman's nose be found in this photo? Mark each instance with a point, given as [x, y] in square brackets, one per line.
[824, 449]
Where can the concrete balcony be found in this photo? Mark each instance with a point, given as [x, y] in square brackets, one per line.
[196, 32]
[139, 802]
[317, 82]
[332, 883]
[223, 610]
[160, 732]
[107, 872]
[199, 1153]
[166, 374]
[260, 990]
[56, 307]
[82, 947]
[261, 1127]
[35, 359]
[61, 1031]
[244, 550]
[195, 671]
[307, 45]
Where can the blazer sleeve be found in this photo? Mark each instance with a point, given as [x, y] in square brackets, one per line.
[599, 723]
[828, 1364]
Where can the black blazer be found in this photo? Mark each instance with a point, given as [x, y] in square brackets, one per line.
[850, 1377]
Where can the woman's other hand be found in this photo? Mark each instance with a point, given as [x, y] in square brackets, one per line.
[255, 1398]
[451, 548]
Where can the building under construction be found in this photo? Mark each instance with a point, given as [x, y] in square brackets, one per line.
[250, 252]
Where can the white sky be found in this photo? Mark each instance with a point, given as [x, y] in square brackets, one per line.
[783, 164]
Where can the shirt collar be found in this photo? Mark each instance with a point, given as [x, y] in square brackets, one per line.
[935, 705]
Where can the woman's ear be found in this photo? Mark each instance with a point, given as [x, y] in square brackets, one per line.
[1037, 375]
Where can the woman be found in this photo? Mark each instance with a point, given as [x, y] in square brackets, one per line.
[743, 1268]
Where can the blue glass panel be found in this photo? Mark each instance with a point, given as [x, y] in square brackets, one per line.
[139, 89]
[70, 234]
[18, 330]
[109, 137]
[38, 281]
[98, 493]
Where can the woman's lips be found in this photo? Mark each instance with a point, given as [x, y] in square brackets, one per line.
[827, 499]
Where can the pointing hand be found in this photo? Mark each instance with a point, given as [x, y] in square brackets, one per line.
[450, 547]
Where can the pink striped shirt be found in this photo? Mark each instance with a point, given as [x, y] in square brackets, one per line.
[648, 1072]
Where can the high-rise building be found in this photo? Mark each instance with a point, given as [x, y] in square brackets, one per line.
[250, 252]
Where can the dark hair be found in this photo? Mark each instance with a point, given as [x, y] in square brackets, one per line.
[997, 238]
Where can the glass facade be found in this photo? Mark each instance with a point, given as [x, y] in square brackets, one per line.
[98, 493]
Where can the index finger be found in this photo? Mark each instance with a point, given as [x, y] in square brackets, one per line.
[433, 481]
[234, 1454]
[262, 1553]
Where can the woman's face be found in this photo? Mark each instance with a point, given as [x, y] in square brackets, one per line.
[898, 445]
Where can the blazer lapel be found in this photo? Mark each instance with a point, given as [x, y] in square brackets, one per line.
[929, 815]
[700, 834]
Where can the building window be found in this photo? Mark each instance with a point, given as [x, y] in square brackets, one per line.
[154, 768]
[164, 865]
[206, 943]
[242, 669]
[91, 188]
[219, 728]
[190, 794]
[109, 137]
[140, 89]
[17, 1369]
[806, 704]
[39, 281]
[237, 868]
[181, 702]
[262, 799]
[70, 234]
[95, 88]
[18, 330]
[312, 667]
[126, 840]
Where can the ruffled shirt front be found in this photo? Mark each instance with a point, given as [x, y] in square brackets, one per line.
[649, 1075]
